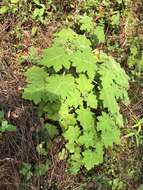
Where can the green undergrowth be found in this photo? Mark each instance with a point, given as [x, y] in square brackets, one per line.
[5, 126]
[80, 91]
[102, 21]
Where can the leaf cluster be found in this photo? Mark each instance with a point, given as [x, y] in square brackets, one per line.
[4, 125]
[80, 90]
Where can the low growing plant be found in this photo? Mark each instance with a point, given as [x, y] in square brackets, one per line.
[135, 59]
[26, 171]
[5, 126]
[95, 32]
[79, 90]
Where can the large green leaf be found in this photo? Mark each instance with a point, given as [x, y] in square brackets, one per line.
[62, 86]
[114, 85]
[109, 131]
[35, 90]
[91, 100]
[86, 23]
[56, 57]
[84, 62]
[88, 139]
[99, 32]
[84, 85]
[92, 158]
[86, 119]
[72, 134]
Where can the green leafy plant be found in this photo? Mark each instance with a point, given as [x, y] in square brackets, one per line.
[116, 184]
[86, 22]
[141, 187]
[115, 19]
[95, 31]
[4, 125]
[39, 11]
[135, 60]
[41, 169]
[3, 10]
[80, 90]
[26, 171]
[12, 5]
[34, 9]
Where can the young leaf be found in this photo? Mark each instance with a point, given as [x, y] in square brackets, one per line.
[51, 129]
[109, 132]
[88, 139]
[84, 62]
[35, 90]
[91, 100]
[62, 86]
[84, 84]
[72, 134]
[86, 23]
[92, 158]
[86, 119]
[99, 32]
[56, 57]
